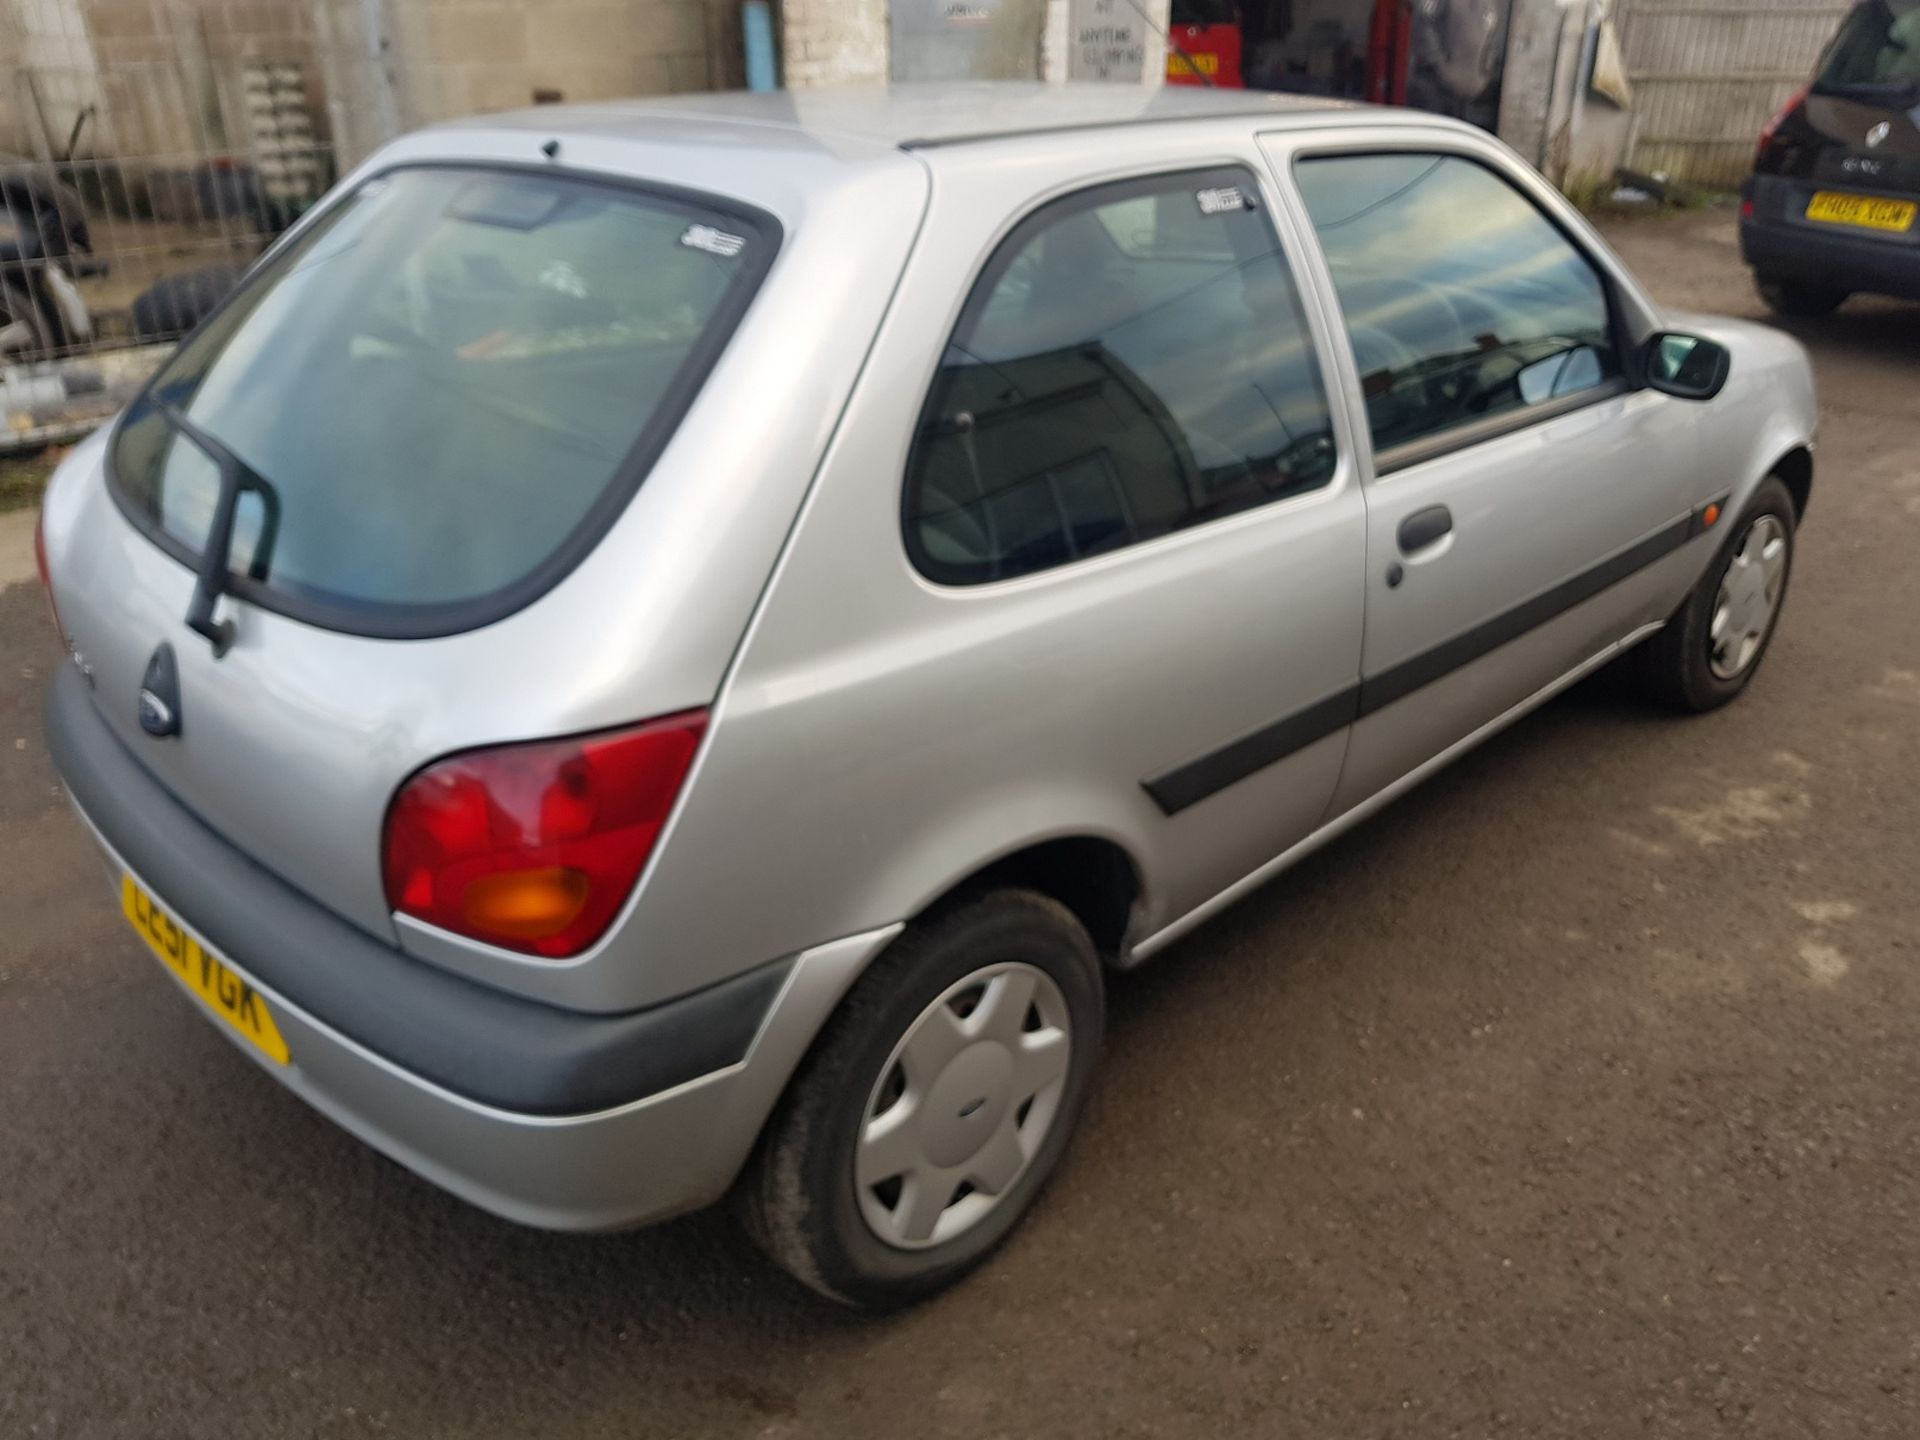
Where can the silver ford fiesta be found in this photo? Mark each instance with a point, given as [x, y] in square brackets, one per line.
[660, 651]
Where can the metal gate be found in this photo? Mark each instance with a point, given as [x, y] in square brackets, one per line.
[1707, 77]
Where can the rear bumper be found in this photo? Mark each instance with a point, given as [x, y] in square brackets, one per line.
[1781, 249]
[548, 1117]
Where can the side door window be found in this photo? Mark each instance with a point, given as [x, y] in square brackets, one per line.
[1465, 304]
[1133, 360]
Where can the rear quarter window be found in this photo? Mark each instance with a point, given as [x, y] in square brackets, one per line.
[450, 385]
[1876, 53]
[1132, 361]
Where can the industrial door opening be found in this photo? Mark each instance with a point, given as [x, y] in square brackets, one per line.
[1440, 55]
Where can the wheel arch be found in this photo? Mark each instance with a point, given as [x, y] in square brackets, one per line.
[1795, 469]
[1093, 876]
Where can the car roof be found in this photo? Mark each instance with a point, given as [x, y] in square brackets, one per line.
[915, 116]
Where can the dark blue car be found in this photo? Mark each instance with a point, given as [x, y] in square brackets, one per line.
[1832, 207]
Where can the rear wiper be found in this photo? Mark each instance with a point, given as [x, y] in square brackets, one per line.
[216, 556]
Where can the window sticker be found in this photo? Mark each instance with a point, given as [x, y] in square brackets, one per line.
[714, 242]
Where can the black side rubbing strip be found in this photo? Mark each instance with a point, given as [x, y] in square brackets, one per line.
[1423, 669]
[1193, 782]
[1188, 784]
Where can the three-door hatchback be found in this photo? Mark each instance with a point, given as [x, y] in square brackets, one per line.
[657, 650]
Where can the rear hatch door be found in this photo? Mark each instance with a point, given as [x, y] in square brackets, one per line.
[1855, 138]
[434, 409]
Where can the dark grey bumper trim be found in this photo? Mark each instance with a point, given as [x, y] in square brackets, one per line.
[480, 1043]
[1785, 251]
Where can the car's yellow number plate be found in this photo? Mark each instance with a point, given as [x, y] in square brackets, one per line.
[230, 997]
[1833, 208]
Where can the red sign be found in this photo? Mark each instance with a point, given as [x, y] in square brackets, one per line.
[1199, 53]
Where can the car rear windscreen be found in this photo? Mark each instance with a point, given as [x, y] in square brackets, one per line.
[1877, 50]
[443, 390]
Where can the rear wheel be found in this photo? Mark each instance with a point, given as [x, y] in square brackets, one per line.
[935, 1105]
[1798, 299]
[1715, 641]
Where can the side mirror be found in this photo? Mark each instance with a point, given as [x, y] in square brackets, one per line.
[1688, 366]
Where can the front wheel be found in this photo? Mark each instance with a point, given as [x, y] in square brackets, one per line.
[1715, 641]
[934, 1106]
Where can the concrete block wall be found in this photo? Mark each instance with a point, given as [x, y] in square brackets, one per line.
[833, 42]
[440, 59]
[461, 57]
[162, 73]
[157, 79]
[170, 70]
[47, 74]
[14, 138]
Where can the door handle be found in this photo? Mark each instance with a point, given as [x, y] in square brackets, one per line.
[1423, 527]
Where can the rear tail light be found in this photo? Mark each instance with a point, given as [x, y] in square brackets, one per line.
[46, 575]
[1766, 152]
[536, 847]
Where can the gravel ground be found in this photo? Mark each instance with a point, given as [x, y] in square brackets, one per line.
[1574, 1096]
[22, 477]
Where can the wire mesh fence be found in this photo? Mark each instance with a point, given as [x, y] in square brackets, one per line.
[149, 150]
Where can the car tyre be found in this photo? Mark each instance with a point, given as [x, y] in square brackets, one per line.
[1799, 300]
[815, 1200]
[1685, 667]
[175, 304]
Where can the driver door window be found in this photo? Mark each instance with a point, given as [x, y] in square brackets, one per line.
[1464, 303]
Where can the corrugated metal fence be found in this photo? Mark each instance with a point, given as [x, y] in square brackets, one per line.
[1707, 77]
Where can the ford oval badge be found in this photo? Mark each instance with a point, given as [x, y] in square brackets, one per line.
[160, 695]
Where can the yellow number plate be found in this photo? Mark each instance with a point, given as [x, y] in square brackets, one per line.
[1833, 208]
[1202, 64]
[230, 997]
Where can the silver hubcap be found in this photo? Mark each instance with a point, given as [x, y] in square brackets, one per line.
[1749, 595]
[963, 1105]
